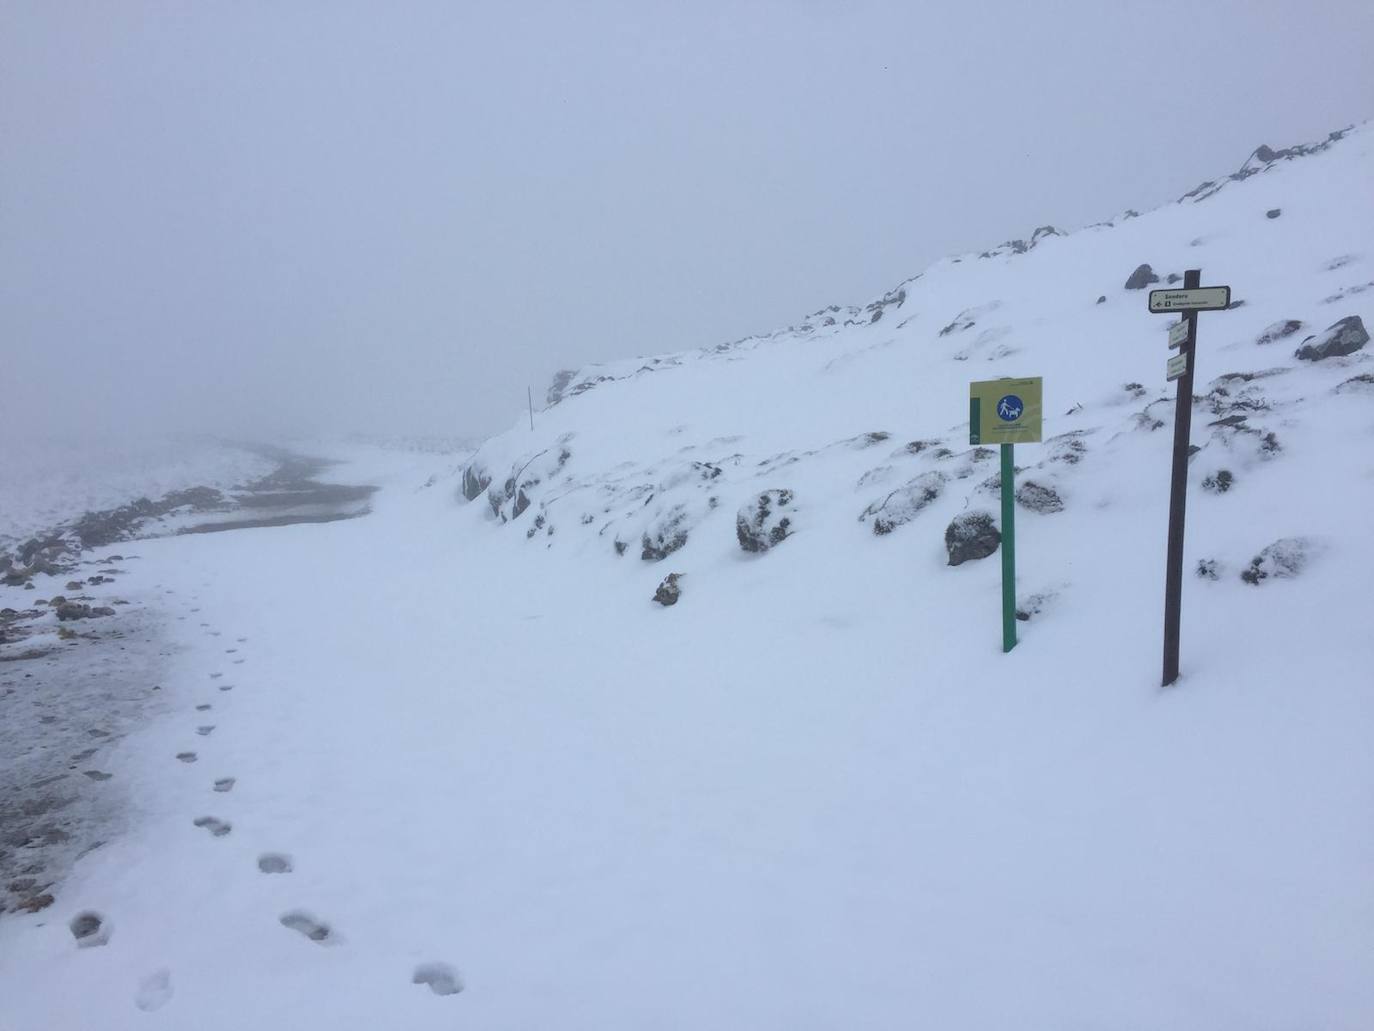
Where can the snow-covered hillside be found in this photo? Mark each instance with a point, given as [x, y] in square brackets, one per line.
[464, 749]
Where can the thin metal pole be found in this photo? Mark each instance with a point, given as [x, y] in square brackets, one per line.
[1008, 549]
[1178, 494]
[529, 396]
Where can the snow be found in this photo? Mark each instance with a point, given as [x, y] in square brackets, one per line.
[813, 793]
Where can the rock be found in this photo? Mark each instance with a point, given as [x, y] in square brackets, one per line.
[765, 521]
[666, 535]
[73, 610]
[971, 535]
[89, 929]
[561, 379]
[1220, 483]
[1142, 277]
[1273, 213]
[1173, 278]
[74, 585]
[1339, 339]
[1102, 299]
[36, 903]
[1284, 559]
[668, 591]
[476, 479]
[102, 610]
[1208, 569]
[1039, 498]
[903, 504]
[1279, 330]
[1362, 384]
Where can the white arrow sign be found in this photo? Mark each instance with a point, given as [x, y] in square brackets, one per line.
[1202, 298]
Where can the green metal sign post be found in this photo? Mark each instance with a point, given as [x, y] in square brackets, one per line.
[1007, 412]
[1008, 549]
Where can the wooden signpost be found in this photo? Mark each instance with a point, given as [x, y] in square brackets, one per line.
[1192, 299]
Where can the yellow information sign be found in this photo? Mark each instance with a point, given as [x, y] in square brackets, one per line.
[1005, 411]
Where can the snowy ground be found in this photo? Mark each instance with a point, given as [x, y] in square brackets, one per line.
[814, 793]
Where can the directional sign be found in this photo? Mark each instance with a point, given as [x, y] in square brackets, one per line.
[1202, 298]
[1177, 366]
[1005, 411]
[1178, 334]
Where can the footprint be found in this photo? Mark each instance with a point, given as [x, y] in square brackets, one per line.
[187, 757]
[226, 687]
[274, 862]
[97, 775]
[230, 651]
[154, 991]
[219, 828]
[224, 784]
[299, 920]
[238, 662]
[240, 640]
[441, 978]
[89, 929]
[204, 731]
[216, 676]
[203, 708]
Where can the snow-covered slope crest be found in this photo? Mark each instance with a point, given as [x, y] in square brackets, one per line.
[864, 419]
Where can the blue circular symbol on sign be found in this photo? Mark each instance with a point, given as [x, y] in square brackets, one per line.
[1009, 409]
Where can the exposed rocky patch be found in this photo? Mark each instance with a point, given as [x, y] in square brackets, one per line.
[1283, 560]
[1339, 339]
[765, 521]
[1142, 277]
[1038, 497]
[971, 536]
[668, 591]
[904, 504]
[1219, 482]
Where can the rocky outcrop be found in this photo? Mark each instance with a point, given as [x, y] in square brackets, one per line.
[1142, 277]
[476, 479]
[668, 591]
[1283, 560]
[1339, 339]
[1039, 498]
[666, 534]
[766, 520]
[1279, 330]
[904, 503]
[511, 498]
[970, 536]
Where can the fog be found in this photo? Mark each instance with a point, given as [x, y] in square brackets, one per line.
[264, 218]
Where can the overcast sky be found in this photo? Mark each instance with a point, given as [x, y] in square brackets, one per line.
[392, 216]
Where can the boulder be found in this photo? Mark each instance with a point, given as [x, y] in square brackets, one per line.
[668, 591]
[766, 520]
[476, 479]
[666, 535]
[1279, 330]
[1039, 498]
[1142, 277]
[1339, 339]
[1273, 213]
[73, 610]
[1219, 483]
[903, 504]
[971, 535]
[1283, 560]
